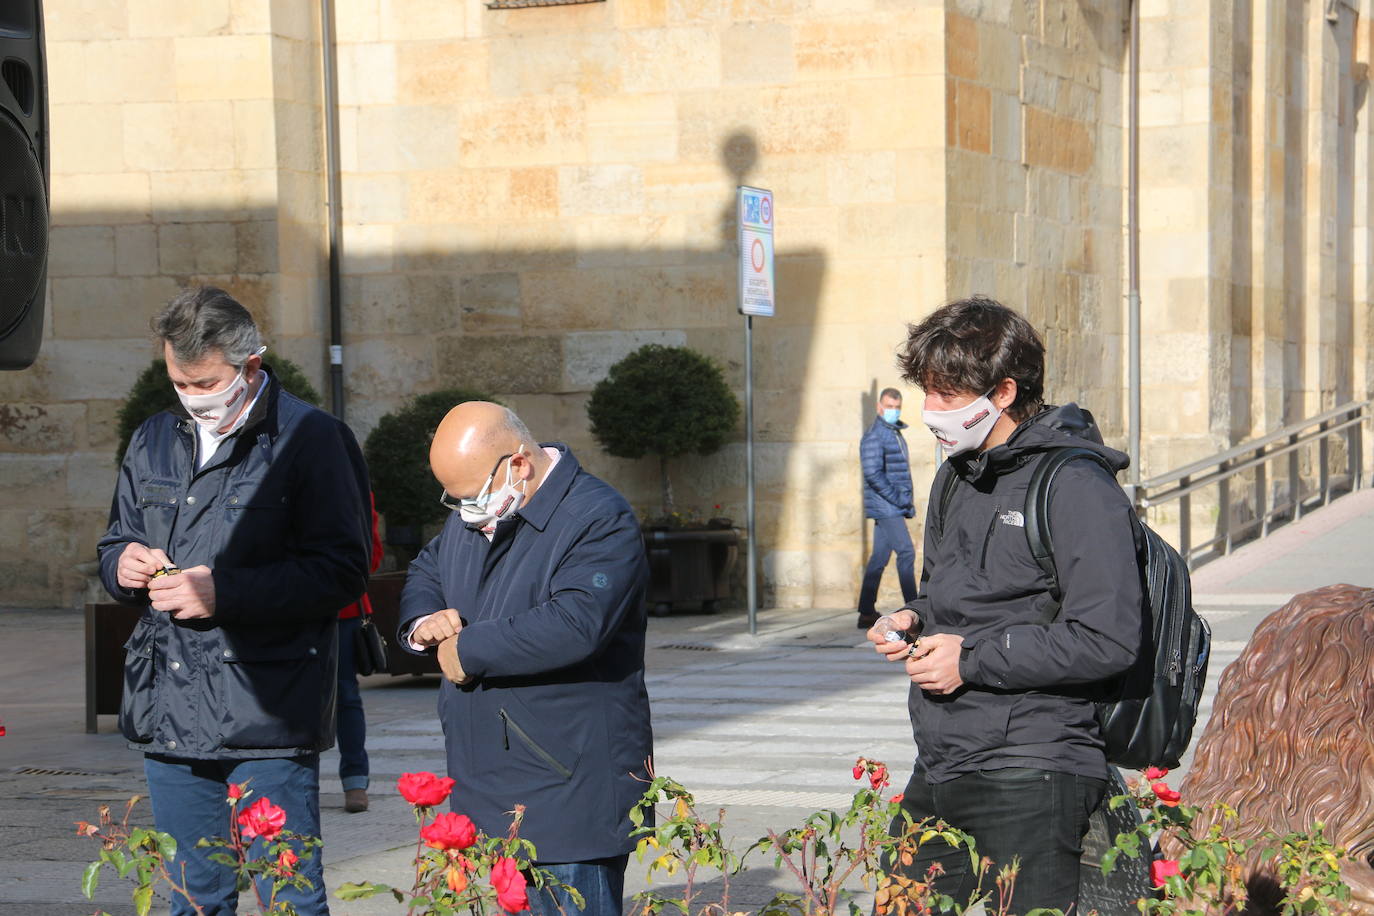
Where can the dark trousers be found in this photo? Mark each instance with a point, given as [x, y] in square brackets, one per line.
[189, 803]
[1037, 816]
[352, 724]
[600, 881]
[889, 536]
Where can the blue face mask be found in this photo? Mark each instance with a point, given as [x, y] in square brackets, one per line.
[891, 414]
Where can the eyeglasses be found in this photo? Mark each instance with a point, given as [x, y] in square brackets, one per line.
[451, 502]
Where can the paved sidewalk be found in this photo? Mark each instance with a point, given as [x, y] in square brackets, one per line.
[766, 727]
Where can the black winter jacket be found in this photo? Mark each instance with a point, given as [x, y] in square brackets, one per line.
[1028, 687]
[280, 514]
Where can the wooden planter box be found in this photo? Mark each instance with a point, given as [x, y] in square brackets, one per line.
[690, 566]
[109, 625]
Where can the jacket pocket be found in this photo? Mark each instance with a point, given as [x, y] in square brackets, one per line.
[273, 696]
[138, 704]
[510, 728]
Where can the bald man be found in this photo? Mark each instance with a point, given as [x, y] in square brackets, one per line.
[533, 598]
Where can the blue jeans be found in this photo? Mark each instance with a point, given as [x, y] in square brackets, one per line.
[352, 724]
[890, 536]
[1038, 816]
[601, 882]
[189, 803]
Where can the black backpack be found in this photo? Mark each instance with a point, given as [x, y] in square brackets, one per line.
[1147, 714]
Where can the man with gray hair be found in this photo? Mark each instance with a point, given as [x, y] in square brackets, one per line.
[240, 525]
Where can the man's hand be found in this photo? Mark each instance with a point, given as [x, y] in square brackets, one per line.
[449, 663]
[893, 651]
[188, 595]
[934, 664]
[436, 628]
[137, 563]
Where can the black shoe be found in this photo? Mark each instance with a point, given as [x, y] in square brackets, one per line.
[866, 621]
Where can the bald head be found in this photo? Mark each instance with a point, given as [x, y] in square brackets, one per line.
[473, 441]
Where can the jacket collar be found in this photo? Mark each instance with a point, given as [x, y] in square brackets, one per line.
[551, 492]
[899, 425]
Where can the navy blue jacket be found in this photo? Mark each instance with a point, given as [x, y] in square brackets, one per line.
[1028, 687]
[280, 515]
[557, 716]
[887, 471]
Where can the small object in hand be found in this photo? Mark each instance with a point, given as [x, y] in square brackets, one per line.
[165, 571]
[916, 644]
[891, 632]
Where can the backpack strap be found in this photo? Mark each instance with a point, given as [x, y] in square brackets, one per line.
[944, 482]
[1037, 514]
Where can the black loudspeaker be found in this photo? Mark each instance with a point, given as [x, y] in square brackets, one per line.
[23, 181]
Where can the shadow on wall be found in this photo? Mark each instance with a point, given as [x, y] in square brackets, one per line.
[536, 324]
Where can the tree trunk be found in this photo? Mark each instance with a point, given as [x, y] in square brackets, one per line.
[667, 487]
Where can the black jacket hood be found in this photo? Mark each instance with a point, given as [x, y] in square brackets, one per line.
[1053, 427]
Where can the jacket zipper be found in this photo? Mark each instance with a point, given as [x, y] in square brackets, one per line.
[508, 725]
[983, 557]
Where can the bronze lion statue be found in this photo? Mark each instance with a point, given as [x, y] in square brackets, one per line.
[1291, 737]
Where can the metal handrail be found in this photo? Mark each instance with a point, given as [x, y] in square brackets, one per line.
[1217, 470]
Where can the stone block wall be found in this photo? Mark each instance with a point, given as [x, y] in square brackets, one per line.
[185, 150]
[531, 194]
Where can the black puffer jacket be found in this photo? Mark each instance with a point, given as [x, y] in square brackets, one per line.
[280, 515]
[1028, 687]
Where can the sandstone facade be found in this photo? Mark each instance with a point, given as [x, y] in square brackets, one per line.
[530, 194]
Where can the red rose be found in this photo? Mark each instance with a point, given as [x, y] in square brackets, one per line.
[1166, 795]
[424, 790]
[235, 791]
[509, 884]
[1153, 773]
[897, 799]
[1161, 869]
[450, 831]
[262, 819]
[287, 861]
[858, 771]
[878, 778]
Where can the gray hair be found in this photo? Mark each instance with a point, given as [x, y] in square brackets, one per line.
[204, 319]
[515, 427]
[890, 393]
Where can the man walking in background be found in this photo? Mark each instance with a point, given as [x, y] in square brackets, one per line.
[888, 501]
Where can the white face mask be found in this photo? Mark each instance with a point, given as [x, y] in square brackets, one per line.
[213, 409]
[488, 508]
[965, 428]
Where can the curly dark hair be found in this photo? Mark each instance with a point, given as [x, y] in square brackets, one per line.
[971, 345]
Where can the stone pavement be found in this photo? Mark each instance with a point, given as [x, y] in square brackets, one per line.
[767, 727]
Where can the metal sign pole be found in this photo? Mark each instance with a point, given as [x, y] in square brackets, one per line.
[749, 470]
[754, 220]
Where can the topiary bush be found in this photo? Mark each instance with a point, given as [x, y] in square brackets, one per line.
[397, 453]
[664, 401]
[152, 393]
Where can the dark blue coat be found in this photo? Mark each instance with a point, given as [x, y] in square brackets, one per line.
[887, 471]
[557, 718]
[280, 514]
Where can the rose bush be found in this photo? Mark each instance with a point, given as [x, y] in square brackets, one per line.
[460, 870]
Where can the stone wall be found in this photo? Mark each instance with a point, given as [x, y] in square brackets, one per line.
[530, 194]
[186, 149]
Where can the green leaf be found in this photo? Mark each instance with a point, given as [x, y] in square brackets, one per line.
[1109, 860]
[89, 879]
[167, 845]
[143, 899]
